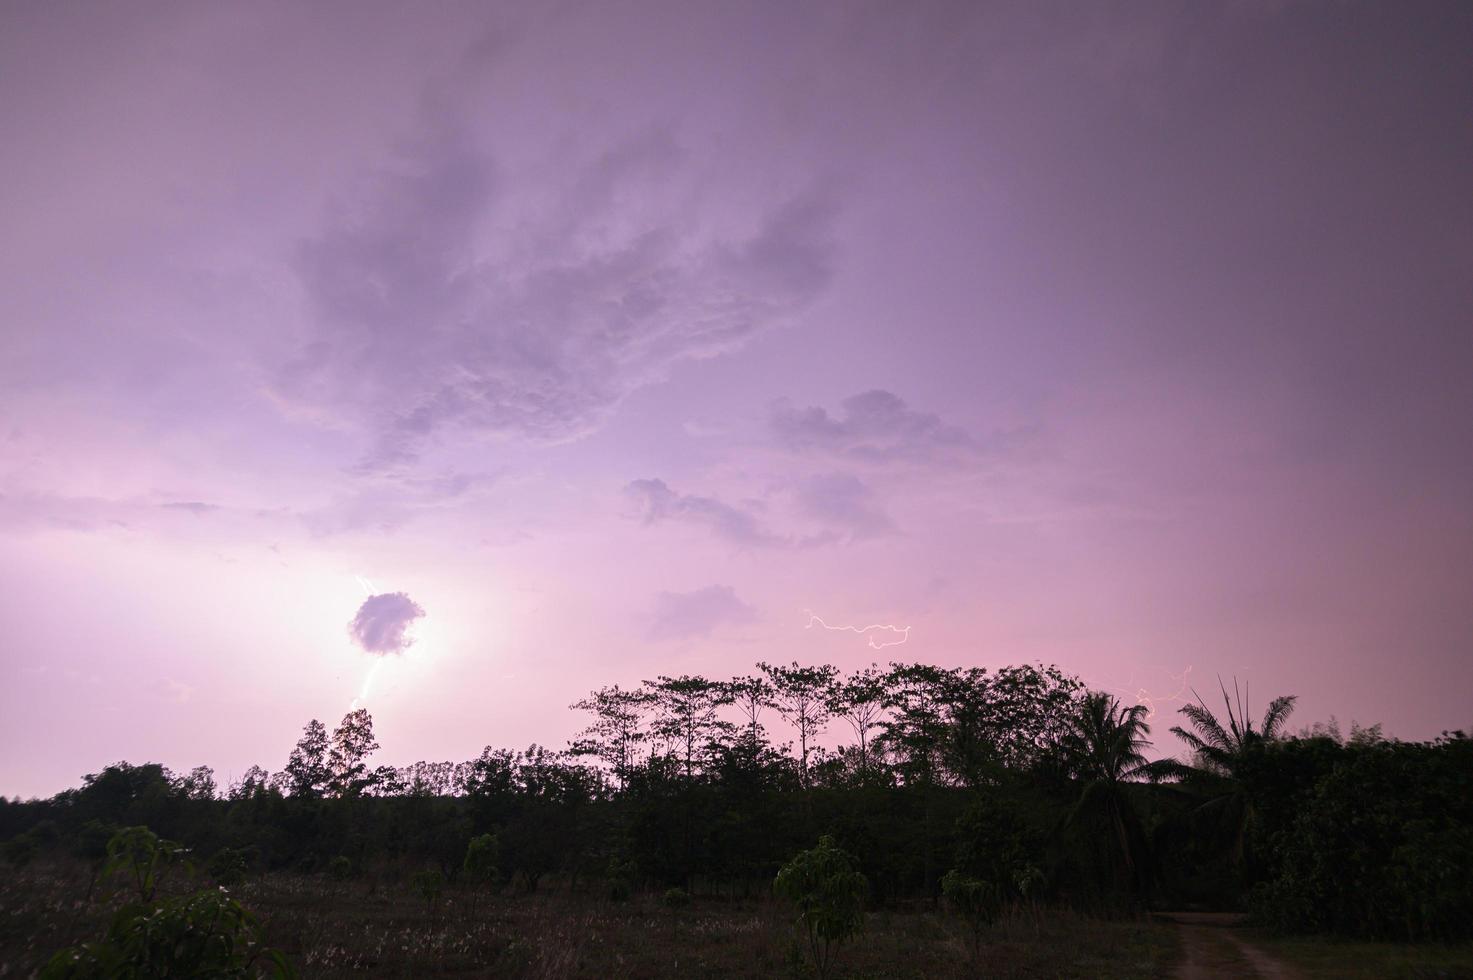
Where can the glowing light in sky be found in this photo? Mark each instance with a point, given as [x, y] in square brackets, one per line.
[1153, 701]
[872, 633]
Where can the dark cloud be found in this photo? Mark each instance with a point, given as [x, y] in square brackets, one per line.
[419, 331]
[875, 426]
[682, 615]
[845, 502]
[381, 621]
[659, 503]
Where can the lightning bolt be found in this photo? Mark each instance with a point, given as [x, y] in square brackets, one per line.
[1153, 701]
[866, 631]
[368, 590]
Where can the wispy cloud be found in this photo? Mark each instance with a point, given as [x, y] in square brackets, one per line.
[658, 503]
[682, 615]
[420, 329]
[873, 426]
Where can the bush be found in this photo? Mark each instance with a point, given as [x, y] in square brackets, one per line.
[829, 891]
[429, 885]
[975, 900]
[227, 867]
[206, 934]
[340, 868]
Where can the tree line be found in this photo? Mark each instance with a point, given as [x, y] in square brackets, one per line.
[1013, 785]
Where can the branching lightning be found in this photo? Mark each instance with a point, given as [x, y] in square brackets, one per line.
[1152, 702]
[871, 633]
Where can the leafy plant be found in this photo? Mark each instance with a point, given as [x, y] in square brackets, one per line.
[480, 866]
[207, 934]
[340, 868]
[975, 900]
[430, 885]
[227, 867]
[143, 857]
[829, 890]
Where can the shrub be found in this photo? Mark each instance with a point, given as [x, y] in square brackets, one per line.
[675, 898]
[340, 868]
[829, 891]
[975, 900]
[429, 885]
[227, 867]
[144, 858]
[207, 934]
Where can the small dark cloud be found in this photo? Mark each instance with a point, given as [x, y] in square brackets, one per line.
[845, 502]
[658, 503]
[875, 426]
[381, 621]
[682, 615]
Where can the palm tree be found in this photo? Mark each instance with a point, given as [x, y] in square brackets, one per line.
[1220, 749]
[1106, 745]
[1221, 752]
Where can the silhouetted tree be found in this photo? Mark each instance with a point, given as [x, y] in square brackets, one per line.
[1106, 748]
[859, 699]
[687, 715]
[800, 695]
[617, 731]
[352, 744]
[306, 772]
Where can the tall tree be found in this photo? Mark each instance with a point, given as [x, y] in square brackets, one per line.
[752, 695]
[347, 761]
[617, 732]
[687, 715]
[859, 699]
[801, 697]
[306, 771]
[1221, 752]
[1106, 746]
[1220, 748]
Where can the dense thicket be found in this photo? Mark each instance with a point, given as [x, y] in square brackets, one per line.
[1020, 783]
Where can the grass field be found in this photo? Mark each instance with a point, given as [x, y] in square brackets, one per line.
[380, 928]
[1318, 958]
[376, 926]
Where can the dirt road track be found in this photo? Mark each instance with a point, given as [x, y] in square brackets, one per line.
[1212, 948]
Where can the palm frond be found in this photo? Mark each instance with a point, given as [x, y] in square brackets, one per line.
[1208, 727]
[1278, 712]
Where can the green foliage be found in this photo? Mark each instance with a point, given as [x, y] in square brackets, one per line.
[340, 868]
[1380, 844]
[429, 885]
[978, 902]
[482, 859]
[143, 858]
[207, 934]
[621, 874]
[227, 867]
[675, 898]
[829, 891]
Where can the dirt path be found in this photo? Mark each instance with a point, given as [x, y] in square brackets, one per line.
[1211, 948]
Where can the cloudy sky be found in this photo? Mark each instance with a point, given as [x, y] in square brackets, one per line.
[628, 338]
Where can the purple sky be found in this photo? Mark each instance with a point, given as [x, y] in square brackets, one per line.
[623, 339]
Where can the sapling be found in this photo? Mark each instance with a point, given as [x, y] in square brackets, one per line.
[829, 891]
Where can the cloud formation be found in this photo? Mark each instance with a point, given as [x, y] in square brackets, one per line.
[658, 503]
[682, 615]
[601, 285]
[844, 502]
[875, 426]
[381, 622]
